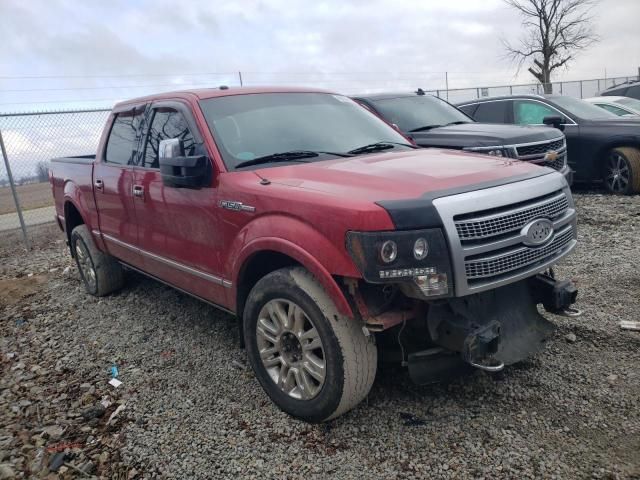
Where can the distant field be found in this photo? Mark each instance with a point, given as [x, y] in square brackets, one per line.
[34, 195]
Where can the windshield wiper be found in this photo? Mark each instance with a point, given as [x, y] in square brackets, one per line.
[375, 147]
[429, 127]
[290, 156]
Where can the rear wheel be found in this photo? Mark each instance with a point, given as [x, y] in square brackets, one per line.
[100, 272]
[314, 363]
[622, 171]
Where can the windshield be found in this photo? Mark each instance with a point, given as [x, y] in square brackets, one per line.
[410, 113]
[252, 126]
[629, 102]
[582, 109]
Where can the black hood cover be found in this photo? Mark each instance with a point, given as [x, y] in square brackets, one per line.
[482, 135]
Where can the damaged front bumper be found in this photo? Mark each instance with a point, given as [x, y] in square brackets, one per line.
[491, 329]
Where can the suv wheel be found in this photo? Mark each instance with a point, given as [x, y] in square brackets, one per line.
[100, 272]
[622, 171]
[314, 363]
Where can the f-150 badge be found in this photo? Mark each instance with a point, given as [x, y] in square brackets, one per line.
[236, 206]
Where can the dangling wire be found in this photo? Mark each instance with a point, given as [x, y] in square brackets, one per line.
[404, 323]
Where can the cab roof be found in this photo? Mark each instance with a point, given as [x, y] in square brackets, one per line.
[533, 96]
[222, 91]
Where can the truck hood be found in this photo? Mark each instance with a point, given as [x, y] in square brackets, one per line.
[401, 175]
[482, 135]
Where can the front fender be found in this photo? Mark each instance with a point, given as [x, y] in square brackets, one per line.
[300, 241]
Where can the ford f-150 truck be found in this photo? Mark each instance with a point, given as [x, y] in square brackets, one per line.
[334, 240]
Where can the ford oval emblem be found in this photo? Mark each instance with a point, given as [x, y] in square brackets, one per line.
[537, 232]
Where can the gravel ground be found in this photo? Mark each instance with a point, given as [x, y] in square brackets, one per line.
[188, 406]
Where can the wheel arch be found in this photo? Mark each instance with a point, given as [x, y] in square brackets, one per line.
[72, 218]
[616, 142]
[265, 255]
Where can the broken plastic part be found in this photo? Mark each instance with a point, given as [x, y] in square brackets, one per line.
[488, 368]
[571, 312]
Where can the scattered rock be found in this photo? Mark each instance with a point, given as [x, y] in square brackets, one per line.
[93, 412]
[115, 413]
[57, 461]
[6, 472]
[54, 432]
[571, 337]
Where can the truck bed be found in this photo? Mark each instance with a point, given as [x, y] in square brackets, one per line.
[75, 159]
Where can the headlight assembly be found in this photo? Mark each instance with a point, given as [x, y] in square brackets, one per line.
[416, 258]
[497, 151]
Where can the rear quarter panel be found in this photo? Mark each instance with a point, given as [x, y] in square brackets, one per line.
[73, 182]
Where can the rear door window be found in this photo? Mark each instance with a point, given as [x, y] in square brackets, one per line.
[166, 123]
[469, 109]
[121, 145]
[491, 112]
[618, 111]
[527, 112]
[633, 92]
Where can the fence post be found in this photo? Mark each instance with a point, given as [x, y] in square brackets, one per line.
[13, 191]
[581, 94]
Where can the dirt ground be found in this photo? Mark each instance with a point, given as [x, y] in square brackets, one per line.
[33, 195]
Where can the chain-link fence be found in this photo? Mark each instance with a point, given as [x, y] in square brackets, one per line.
[30, 141]
[577, 89]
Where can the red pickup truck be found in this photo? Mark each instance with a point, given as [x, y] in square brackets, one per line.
[333, 239]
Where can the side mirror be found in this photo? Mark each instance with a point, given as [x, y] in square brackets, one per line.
[178, 170]
[555, 121]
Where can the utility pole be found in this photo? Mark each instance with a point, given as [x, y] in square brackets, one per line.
[240, 77]
[446, 81]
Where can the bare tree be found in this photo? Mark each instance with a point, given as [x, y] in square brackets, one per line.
[555, 31]
[42, 171]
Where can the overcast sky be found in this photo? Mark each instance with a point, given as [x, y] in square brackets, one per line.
[95, 52]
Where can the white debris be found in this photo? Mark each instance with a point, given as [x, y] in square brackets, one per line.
[629, 325]
[115, 382]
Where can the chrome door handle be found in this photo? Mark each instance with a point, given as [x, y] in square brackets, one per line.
[98, 184]
[138, 191]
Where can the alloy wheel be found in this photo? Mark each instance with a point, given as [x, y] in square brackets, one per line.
[291, 349]
[618, 174]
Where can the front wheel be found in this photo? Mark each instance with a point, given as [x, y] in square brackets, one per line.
[622, 171]
[314, 363]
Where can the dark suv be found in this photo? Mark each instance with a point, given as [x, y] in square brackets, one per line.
[626, 89]
[431, 122]
[602, 147]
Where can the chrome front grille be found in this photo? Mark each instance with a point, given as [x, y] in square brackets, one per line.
[517, 258]
[537, 152]
[487, 231]
[511, 218]
[540, 148]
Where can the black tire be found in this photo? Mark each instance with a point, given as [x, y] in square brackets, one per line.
[622, 171]
[349, 355]
[108, 275]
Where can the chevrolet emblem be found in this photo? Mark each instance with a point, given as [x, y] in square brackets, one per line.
[551, 156]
